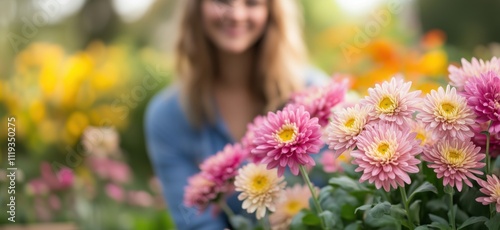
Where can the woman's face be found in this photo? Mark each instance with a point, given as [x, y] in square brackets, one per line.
[234, 25]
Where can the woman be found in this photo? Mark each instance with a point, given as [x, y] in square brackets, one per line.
[235, 60]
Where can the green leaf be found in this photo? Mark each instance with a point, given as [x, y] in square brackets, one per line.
[311, 219]
[297, 221]
[494, 223]
[485, 133]
[473, 220]
[328, 218]
[240, 222]
[422, 227]
[438, 219]
[439, 226]
[415, 211]
[363, 207]
[425, 187]
[354, 226]
[380, 210]
[347, 183]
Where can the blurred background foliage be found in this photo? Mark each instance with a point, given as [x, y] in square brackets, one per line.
[66, 65]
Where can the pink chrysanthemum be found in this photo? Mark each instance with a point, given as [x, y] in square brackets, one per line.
[479, 139]
[446, 114]
[392, 101]
[288, 137]
[454, 161]
[319, 101]
[425, 136]
[292, 200]
[386, 154]
[223, 166]
[483, 95]
[459, 76]
[490, 188]
[247, 141]
[199, 192]
[345, 127]
[333, 164]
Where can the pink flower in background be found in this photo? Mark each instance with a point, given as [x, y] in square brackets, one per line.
[386, 154]
[223, 166]
[346, 125]
[483, 96]
[140, 199]
[332, 164]
[199, 192]
[42, 210]
[247, 141]
[66, 178]
[479, 139]
[37, 187]
[54, 202]
[392, 101]
[60, 181]
[319, 101]
[287, 138]
[490, 188]
[108, 169]
[115, 192]
[460, 75]
[119, 172]
[446, 114]
[455, 161]
[292, 200]
[101, 141]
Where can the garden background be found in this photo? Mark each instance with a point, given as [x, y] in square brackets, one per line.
[67, 65]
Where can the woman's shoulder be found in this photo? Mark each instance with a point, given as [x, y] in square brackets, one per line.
[164, 111]
[313, 76]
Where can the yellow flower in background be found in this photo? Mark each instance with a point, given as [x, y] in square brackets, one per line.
[75, 124]
[37, 110]
[48, 131]
[434, 63]
[77, 69]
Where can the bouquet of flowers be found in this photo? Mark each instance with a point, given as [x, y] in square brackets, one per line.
[417, 161]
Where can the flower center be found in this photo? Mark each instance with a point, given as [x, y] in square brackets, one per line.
[383, 152]
[387, 104]
[349, 123]
[496, 191]
[421, 136]
[447, 110]
[287, 133]
[292, 207]
[259, 183]
[454, 157]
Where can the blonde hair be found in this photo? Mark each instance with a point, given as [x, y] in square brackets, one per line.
[280, 54]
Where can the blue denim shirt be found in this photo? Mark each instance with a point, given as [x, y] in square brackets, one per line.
[176, 149]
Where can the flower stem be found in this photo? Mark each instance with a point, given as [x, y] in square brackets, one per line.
[488, 158]
[313, 193]
[452, 218]
[488, 161]
[226, 209]
[404, 198]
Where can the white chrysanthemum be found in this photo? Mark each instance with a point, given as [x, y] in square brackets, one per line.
[446, 114]
[392, 101]
[345, 127]
[260, 188]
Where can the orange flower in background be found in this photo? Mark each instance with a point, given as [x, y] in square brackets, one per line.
[433, 39]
